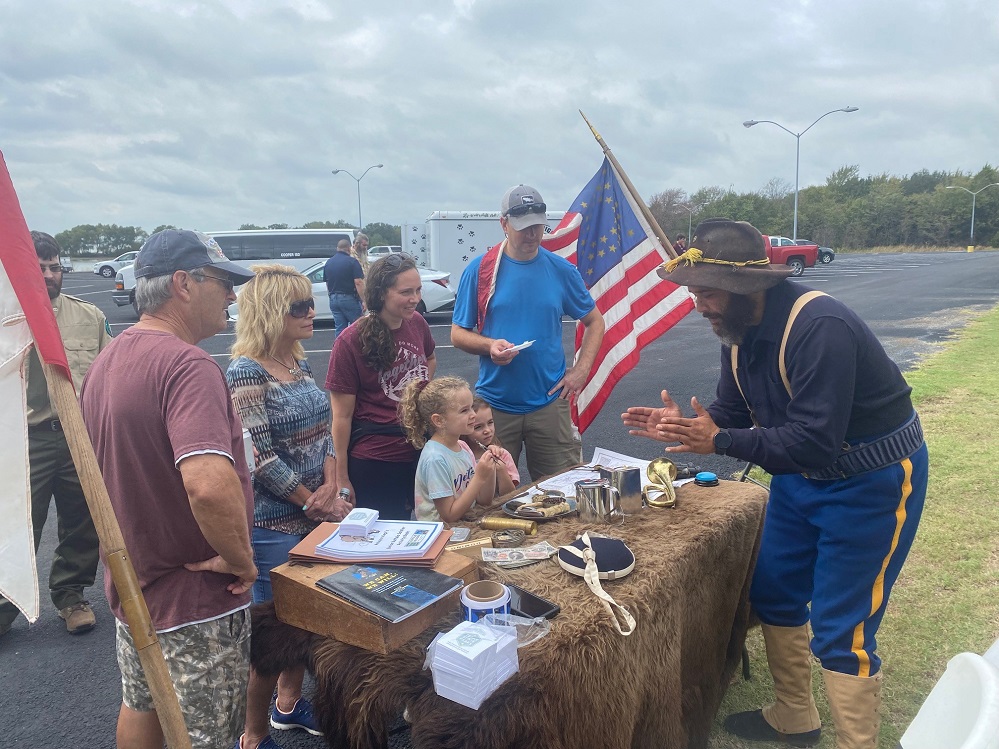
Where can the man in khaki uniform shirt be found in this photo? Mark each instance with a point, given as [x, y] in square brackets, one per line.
[85, 332]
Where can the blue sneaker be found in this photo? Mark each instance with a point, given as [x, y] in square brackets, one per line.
[267, 743]
[300, 717]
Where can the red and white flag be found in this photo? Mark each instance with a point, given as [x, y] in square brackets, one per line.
[605, 234]
[25, 314]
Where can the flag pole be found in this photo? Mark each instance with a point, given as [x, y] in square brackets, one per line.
[660, 234]
[63, 396]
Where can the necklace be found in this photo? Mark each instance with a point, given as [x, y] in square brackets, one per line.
[295, 371]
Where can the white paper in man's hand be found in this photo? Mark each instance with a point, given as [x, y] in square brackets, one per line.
[520, 346]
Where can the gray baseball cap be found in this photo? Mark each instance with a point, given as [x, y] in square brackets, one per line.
[171, 250]
[523, 206]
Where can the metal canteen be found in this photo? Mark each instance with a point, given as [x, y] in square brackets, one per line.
[599, 502]
[628, 482]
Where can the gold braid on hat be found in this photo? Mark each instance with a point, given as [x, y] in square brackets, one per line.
[694, 255]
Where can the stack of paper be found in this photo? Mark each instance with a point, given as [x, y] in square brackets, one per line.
[358, 522]
[471, 661]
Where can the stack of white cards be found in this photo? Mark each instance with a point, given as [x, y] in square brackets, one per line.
[358, 522]
[471, 661]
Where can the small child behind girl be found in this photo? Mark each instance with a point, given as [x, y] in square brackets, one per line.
[481, 436]
[448, 478]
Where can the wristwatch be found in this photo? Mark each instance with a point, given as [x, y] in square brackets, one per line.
[723, 441]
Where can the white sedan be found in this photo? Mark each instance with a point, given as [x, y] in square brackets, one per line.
[108, 268]
[438, 294]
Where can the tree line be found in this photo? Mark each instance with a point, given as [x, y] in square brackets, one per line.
[850, 211]
[109, 240]
[847, 212]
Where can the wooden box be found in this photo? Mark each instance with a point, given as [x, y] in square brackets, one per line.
[301, 603]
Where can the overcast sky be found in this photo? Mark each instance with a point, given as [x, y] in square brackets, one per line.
[215, 113]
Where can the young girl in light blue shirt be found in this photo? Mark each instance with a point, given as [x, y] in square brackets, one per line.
[448, 478]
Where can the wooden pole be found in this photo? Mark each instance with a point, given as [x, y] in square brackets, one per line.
[660, 234]
[171, 719]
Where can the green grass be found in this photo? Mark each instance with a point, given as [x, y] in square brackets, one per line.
[946, 600]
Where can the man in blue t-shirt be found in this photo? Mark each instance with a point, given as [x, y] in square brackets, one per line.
[345, 283]
[518, 293]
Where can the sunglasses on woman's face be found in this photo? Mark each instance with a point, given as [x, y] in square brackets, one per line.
[301, 309]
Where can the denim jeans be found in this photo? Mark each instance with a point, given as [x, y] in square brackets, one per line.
[270, 549]
[345, 308]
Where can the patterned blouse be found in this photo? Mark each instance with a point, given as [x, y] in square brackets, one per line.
[290, 426]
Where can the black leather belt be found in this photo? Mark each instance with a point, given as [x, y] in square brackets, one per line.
[871, 456]
[51, 425]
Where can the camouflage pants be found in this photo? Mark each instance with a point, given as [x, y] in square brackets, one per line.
[209, 665]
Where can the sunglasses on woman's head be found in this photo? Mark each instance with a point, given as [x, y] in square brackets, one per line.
[301, 309]
[398, 258]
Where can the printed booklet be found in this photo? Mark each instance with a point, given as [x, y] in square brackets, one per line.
[393, 593]
[387, 539]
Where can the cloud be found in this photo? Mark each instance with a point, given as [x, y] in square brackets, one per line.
[211, 114]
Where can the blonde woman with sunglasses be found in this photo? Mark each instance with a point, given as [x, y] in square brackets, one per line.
[294, 481]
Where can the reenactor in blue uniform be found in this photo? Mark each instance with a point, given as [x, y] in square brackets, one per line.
[808, 393]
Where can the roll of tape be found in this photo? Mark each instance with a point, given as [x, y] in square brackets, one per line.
[484, 597]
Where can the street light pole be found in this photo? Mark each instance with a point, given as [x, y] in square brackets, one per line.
[797, 151]
[974, 196]
[360, 224]
[690, 218]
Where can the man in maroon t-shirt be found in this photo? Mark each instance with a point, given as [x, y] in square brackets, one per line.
[171, 450]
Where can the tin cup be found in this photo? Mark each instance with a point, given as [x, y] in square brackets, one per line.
[598, 502]
[484, 597]
[628, 482]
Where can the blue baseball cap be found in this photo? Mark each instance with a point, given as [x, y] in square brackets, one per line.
[171, 250]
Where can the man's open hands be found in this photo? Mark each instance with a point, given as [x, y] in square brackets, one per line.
[668, 424]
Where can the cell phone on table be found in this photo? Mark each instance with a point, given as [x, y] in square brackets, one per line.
[526, 604]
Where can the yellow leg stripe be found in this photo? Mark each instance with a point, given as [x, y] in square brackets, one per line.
[878, 591]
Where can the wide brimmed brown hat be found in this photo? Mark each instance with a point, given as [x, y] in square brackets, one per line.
[728, 255]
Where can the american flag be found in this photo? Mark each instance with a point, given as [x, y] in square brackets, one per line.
[25, 313]
[606, 236]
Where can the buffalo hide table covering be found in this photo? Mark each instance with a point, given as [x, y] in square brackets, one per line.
[583, 685]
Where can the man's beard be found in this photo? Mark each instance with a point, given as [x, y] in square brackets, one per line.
[736, 319]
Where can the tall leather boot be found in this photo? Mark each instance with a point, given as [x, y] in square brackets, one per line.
[792, 718]
[855, 704]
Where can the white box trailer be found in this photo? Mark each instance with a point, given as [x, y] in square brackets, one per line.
[450, 240]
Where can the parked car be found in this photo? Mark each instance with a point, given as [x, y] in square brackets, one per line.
[67, 264]
[797, 256]
[438, 294]
[826, 254]
[108, 268]
[382, 250]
